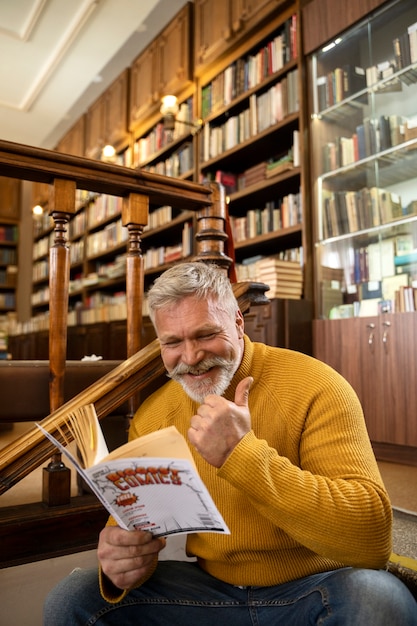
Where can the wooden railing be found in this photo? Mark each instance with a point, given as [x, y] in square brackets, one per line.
[61, 524]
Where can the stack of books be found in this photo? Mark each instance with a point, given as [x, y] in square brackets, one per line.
[283, 277]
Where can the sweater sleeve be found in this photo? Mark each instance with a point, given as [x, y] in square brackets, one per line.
[327, 495]
[110, 592]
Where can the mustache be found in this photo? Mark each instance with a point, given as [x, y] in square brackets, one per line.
[182, 368]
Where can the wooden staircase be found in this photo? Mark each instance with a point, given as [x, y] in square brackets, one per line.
[60, 524]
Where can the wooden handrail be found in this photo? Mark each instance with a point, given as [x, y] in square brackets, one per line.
[32, 449]
[40, 165]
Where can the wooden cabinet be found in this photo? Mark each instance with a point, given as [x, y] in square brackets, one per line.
[377, 356]
[73, 141]
[282, 323]
[163, 68]
[222, 24]
[106, 119]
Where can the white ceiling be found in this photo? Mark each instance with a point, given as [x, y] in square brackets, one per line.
[58, 56]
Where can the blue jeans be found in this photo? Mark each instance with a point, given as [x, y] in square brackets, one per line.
[181, 594]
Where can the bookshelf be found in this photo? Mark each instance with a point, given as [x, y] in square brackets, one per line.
[251, 142]
[268, 203]
[364, 138]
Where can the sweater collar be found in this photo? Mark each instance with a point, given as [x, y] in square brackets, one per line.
[244, 369]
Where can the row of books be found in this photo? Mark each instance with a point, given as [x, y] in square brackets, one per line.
[233, 182]
[110, 309]
[339, 84]
[371, 137]
[78, 225]
[111, 236]
[40, 296]
[264, 111]
[350, 211]
[8, 233]
[8, 256]
[248, 72]
[7, 300]
[155, 257]
[159, 138]
[283, 277]
[160, 217]
[343, 82]
[8, 276]
[386, 258]
[178, 163]
[274, 216]
[102, 208]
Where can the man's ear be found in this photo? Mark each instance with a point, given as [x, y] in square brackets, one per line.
[240, 323]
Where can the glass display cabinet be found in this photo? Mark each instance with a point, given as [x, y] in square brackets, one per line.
[363, 106]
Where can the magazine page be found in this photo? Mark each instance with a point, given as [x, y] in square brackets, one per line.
[161, 494]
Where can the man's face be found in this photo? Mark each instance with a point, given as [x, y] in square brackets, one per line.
[201, 345]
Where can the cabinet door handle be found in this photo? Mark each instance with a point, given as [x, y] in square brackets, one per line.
[385, 334]
[371, 334]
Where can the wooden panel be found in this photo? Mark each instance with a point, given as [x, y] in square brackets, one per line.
[115, 115]
[73, 141]
[94, 132]
[10, 198]
[213, 30]
[282, 323]
[221, 25]
[377, 356]
[321, 21]
[142, 80]
[174, 53]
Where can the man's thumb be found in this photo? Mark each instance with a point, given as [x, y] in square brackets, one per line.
[242, 391]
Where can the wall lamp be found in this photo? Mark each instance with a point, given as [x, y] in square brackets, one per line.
[169, 111]
[37, 210]
[108, 153]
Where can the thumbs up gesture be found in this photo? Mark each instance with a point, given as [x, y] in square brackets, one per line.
[220, 424]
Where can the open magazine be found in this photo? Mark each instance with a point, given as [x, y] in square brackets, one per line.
[149, 483]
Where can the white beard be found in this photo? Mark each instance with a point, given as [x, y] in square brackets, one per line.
[199, 389]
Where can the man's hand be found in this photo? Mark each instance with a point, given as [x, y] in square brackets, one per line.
[220, 424]
[127, 556]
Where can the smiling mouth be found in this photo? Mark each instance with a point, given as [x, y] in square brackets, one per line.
[199, 373]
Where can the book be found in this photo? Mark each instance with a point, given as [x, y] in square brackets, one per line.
[150, 483]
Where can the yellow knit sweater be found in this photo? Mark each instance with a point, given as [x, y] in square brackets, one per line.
[301, 493]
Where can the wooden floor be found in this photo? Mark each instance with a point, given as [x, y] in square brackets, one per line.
[401, 484]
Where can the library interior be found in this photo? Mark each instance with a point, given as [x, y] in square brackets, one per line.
[277, 139]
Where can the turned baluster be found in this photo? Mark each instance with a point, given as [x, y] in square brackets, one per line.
[56, 487]
[135, 214]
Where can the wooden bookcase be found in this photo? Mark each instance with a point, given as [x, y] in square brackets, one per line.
[190, 55]
[252, 140]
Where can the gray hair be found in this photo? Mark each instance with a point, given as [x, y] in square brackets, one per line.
[198, 279]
